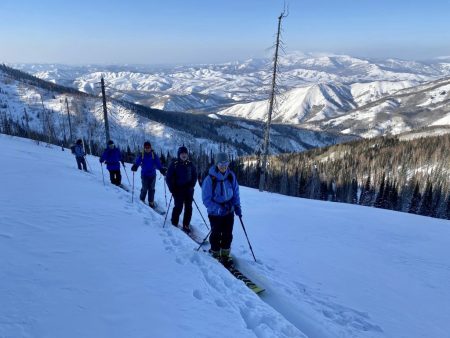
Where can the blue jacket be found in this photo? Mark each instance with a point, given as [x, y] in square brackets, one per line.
[112, 157]
[181, 176]
[78, 150]
[150, 162]
[225, 196]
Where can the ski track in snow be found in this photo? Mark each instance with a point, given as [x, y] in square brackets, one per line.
[252, 315]
[258, 317]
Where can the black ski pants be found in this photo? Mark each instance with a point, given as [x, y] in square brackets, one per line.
[81, 162]
[115, 177]
[180, 199]
[221, 231]
[148, 186]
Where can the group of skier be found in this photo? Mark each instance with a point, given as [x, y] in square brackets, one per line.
[220, 189]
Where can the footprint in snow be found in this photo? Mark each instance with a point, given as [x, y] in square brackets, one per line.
[198, 294]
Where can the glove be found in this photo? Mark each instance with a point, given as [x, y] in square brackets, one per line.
[163, 171]
[238, 211]
[101, 161]
[134, 167]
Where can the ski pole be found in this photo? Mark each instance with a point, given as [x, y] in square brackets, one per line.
[103, 176]
[207, 227]
[167, 212]
[243, 227]
[132, 191]
[85, 158]
[165, 192]
[126, 174]
[204, 240]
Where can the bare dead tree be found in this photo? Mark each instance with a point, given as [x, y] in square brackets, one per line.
[271, 105]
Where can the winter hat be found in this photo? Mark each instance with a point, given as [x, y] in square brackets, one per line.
[110, 142]
[182, 150]
[221, 157]
[147, 144]
[79, 141]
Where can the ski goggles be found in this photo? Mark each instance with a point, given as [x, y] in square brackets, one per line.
[223, 164]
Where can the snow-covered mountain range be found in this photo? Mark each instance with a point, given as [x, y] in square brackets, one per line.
[315, 88]
[40, 106]
[364, 109]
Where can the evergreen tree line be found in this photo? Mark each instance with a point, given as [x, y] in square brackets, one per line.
[387, 172]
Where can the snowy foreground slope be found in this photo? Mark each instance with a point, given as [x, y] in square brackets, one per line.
[78, 259]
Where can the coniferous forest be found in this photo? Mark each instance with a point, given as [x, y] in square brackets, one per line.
[387, 172]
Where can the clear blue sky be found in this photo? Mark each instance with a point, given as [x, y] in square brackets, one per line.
[196, 31]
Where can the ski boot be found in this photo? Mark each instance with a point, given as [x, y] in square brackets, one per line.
[214, 254]
[225, 258]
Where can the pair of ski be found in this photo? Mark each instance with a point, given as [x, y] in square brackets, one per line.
[229, 264]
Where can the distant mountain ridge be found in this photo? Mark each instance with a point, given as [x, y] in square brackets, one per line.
[29, 104]
[364, 109]
[322, 92]
[240, 81]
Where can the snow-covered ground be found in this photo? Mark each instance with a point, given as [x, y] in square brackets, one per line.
[79, 259]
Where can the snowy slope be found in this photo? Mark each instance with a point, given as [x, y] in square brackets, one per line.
[80, 260]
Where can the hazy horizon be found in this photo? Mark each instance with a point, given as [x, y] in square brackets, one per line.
[176, 32]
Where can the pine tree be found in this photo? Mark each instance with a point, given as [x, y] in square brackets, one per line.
[426, 207]
[379, 203]
[448, 206]
[415, 200]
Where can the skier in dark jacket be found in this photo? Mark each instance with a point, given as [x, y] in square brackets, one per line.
[113, 158]
[149, 161]
[79, 153]
[181, 178]
[220, 194]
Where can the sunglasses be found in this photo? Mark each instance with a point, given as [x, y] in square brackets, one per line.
[147, 147]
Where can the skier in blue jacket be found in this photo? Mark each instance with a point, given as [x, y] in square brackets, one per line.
[79, 153]
[113, 157]
[149, 161]
[220, 194]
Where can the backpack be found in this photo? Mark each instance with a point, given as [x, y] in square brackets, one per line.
[72, 149]
[214, 181]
